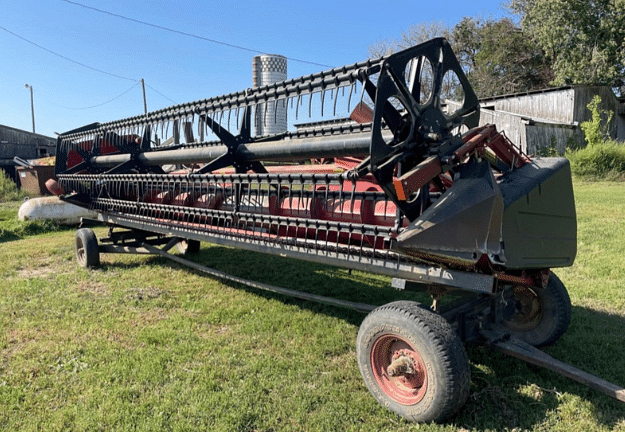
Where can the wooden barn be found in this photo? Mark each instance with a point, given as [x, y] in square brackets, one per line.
[537, 119]
[26, 145]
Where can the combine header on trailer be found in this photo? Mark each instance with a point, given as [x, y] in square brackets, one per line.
[392, 184]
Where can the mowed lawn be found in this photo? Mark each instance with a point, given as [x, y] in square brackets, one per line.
[145, 344]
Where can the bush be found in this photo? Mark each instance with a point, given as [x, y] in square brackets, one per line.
[602, 159]
[8, 189]
[605, 160]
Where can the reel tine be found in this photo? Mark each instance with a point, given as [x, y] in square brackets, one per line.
[349, 100]
[299, 101]
[310, 98]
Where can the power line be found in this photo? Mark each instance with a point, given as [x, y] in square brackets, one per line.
[104, 103]
[88, 67]
[188, 34]
[66, 58]
[147, 85]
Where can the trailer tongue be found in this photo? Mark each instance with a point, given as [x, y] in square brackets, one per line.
[402, 188]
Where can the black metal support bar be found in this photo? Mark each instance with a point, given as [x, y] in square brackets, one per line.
[290, 150]
[123, 249]
[521, 350]
[391, 266]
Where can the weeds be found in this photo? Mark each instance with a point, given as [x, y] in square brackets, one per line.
[602, 158]
[596, 129]
[8, 189]
[603, 161]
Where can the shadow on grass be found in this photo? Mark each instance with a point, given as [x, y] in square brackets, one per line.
[506, 393]
[293, 274]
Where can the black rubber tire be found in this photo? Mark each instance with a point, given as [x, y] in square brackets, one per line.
[443, 361]
[543, 314]
[86, 248]
[188, 247]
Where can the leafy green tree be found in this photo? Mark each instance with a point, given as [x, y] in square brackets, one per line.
[466, 42]
[416, 34]
[584, 39]
[502, 58]
[496, 55]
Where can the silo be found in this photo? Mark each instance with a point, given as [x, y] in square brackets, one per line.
[270, 118]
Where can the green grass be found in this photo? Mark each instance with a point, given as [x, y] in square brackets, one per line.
[12, 229]
[145, 344]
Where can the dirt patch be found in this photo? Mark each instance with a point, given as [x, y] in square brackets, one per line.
[95, 288]
[148, 293]
[211, 330]
[37, 272]
[46, 268]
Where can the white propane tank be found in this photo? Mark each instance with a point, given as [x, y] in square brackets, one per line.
[53, 208]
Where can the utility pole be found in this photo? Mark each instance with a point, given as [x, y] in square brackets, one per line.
[32, 103]
[145, 103]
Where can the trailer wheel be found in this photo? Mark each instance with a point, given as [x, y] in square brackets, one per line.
[543, 314]
[188, 247]
[86, 247]
[412, 362]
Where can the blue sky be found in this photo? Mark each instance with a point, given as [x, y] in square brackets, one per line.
[175, 67]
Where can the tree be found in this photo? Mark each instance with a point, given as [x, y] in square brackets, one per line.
[416, 34]
[501, 57]
[496, 55]
[584, 40]
[466, 42]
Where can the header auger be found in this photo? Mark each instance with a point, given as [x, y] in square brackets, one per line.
[391, 184]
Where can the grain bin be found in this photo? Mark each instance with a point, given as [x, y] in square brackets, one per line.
[270, 117]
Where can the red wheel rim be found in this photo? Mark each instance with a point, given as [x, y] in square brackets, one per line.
[408, 388]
